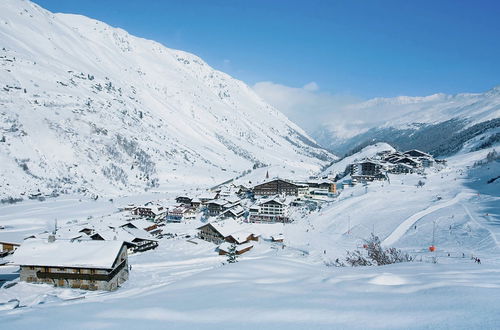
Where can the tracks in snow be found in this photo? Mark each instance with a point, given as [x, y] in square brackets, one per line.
[409, 222]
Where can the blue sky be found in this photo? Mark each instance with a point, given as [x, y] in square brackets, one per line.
[363, 48]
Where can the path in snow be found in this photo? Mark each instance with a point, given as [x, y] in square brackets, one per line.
[493, 235]
[408, 223]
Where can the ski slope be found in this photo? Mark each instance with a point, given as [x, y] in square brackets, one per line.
[410, 222]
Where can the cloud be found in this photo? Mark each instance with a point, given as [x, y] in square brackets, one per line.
[311, 87]
[307, 106]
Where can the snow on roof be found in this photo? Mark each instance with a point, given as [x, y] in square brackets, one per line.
[232, 199]
[237, 210]
[242, 236]
[417, 151]
[139, 223]
[83, 254]
[226, 246]
[115, 235]
[278, 237]
[229, 226]
[217, 201]
[277, 199]
[140, 234]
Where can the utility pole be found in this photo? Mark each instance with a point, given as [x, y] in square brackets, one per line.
[433, 231]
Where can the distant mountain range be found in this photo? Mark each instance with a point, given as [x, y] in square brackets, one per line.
[440, 124]
[85, 107]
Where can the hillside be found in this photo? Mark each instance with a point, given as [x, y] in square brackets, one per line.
[88, 108]
[440, 124]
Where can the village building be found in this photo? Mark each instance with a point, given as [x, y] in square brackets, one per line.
[276, 187]
[216, 207]
[278, 238]
[181, 213]
[137, 240]
[226, 230]
[196, 203]
[150, 211]
[89, 265]
[225, 247]
[409, 161]
[8, 247]
[208, 196]
[401, 169]
[272, 209]
[236, 212]
[320, 184]
[183, 200]
[417, 154]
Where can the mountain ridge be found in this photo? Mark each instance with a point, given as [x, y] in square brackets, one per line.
[91, 108]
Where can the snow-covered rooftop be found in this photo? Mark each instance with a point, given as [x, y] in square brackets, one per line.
[84, 254]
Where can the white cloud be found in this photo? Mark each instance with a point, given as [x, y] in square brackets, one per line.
[307, 106]
[311, 87]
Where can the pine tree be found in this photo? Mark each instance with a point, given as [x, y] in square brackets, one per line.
[232, 256]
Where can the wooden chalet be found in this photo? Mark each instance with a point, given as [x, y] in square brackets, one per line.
[149, 211]
[225, 247]
[89, 265]
[226, 231]
[9, 246]
[183, 200]
[236, 212]
[181, 213]
[217, 206]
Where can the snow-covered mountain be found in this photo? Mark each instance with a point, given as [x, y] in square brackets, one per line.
[440, 124]
[85, 106]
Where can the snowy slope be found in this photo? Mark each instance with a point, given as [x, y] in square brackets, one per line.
[428, 123]
[290, 286]
[85, 106]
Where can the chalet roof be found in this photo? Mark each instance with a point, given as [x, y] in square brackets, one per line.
[413, 160]
[278, 237]
[139, 223]
[418, 152]
[220, 202]
[80, 254]
[115, 235]
[156, 209]
[227, 227]
[237, 210]
[226, 246]
[273, 180]
[404, 165]
[181, 210]
[140, 234]
[232, 199]
[241, 236]
[276, 199]
[369, 161]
